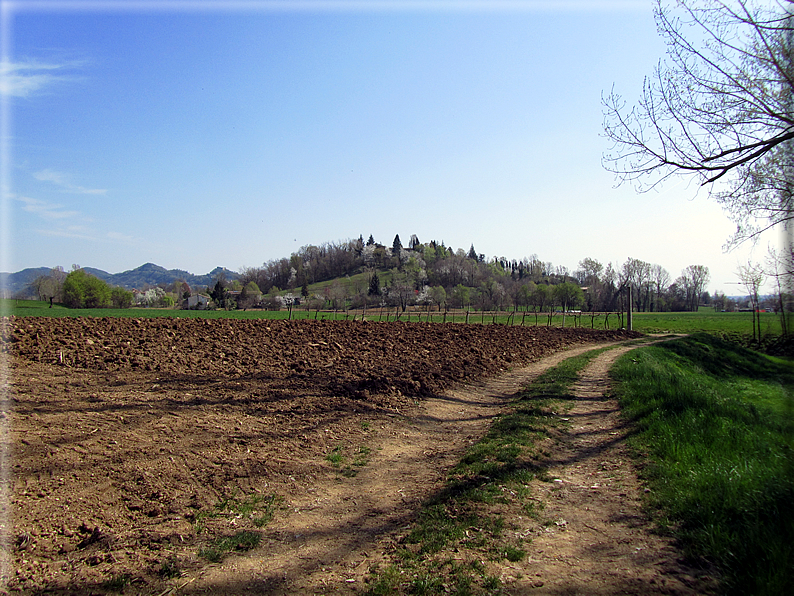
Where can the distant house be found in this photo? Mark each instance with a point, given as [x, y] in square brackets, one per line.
[197, 302]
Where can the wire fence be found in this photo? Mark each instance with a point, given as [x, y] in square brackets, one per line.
[523, 318]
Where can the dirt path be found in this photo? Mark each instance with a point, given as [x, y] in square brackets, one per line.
[595, 539]
[335, 531]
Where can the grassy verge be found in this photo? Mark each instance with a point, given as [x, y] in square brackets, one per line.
[715, 423]
[462, 528]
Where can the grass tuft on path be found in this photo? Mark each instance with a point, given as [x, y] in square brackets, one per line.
[461, 527]
[715, 423]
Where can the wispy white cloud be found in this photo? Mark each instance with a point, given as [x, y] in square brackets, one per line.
[24, 78]
[67, 223]
[79, 232]
[63, 181]
[45, 209]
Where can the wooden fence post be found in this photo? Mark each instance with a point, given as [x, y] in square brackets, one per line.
[629, 321]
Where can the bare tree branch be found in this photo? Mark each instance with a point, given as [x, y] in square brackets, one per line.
[719, 108]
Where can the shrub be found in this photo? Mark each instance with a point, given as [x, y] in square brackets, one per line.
[81, 290]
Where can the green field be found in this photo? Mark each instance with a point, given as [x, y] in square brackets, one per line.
[35, 308]
[724, 323]
[715, 432]
[704, 320]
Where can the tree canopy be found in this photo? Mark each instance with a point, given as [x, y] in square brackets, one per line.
[81, 290]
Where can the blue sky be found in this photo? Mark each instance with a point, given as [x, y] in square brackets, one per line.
[196, 135]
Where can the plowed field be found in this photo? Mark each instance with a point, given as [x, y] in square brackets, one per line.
[136, 443]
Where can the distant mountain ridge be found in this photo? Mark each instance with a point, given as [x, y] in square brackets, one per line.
[148, 274]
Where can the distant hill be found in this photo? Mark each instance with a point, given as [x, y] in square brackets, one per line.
[13, 284]
[149, 274]
[153, 275]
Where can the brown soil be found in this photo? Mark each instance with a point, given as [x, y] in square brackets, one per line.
[126, 434]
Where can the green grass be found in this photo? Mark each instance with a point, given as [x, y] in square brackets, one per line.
[259, 509]
[463, 518]
[339, 460]
[35, 308]
[733, 325]
[715, 423]
[169, 568]
[351, 282]
[241, 541]
[255, 509]
[705, 320]
[336, 456]
[117, 583]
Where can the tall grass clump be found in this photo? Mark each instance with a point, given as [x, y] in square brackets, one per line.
[715, 423]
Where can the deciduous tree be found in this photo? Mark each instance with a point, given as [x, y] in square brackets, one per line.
[694, 279]
[589, 271]
[438, 295]
[249, 296]
[461, 296]
[120, 297]
[718, 109]
[82, 290]
[752, 278]
[569, 295]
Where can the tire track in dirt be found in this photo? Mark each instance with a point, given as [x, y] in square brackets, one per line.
[596, 539]
[330, 536]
